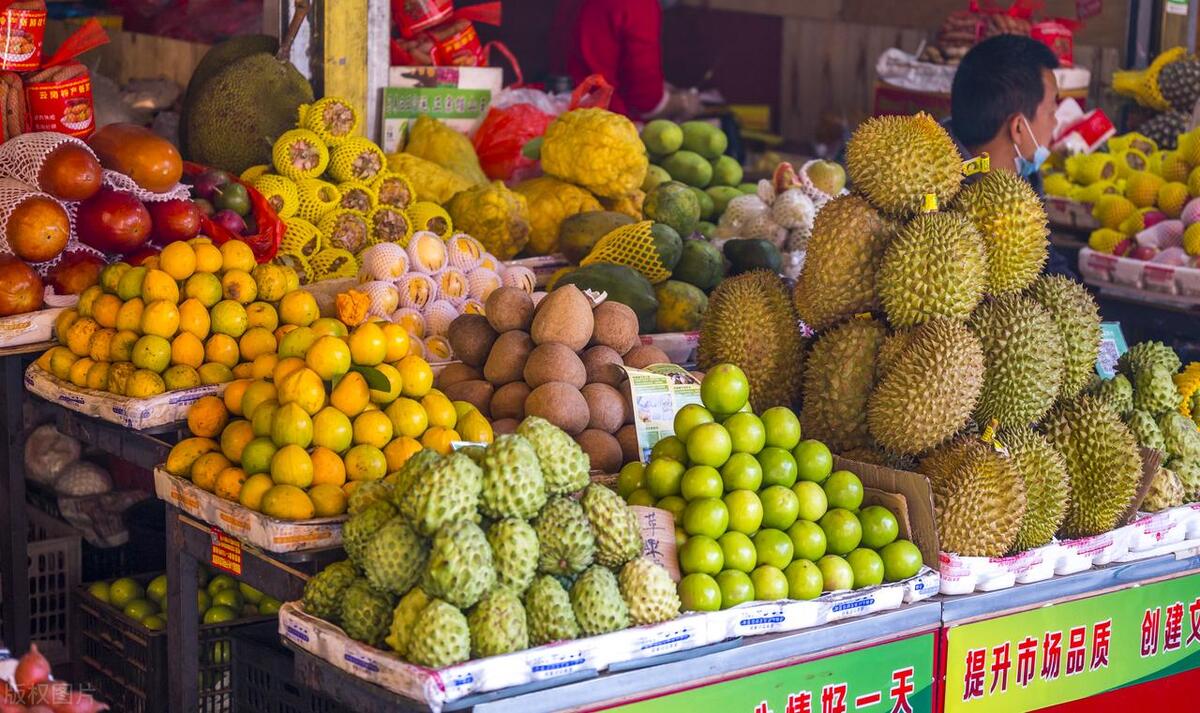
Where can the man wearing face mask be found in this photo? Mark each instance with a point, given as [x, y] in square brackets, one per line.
[1002, 102]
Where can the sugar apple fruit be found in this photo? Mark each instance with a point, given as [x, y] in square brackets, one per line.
[1154, 390]
[440, 636]
[1180, 436]
[366, 612]
[597, 603]
[565, 466]
[445, 493]
[498, 624]
[403, 617]
[460, 568]
[618, 536]
[1145, 430]
[513, 485]
[365, 494]
[394, 557]
[1189, 476]
[323, 593]
[360, 528]
[548, 607]
[1166, 491]
[567, 543]
[412, 469]
[514, 552]
[648, 591]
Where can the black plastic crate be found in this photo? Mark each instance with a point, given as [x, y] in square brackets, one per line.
[126, 663]
[264, 680]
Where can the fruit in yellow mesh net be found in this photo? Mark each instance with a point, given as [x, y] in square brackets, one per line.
[178, 260]
[346, 229]
[304, 388]
[79, 370]
[316, 198]
[280, 192]
[495, 216]
[351, 394]
[144, 384]
[291, 425]
[208, 257]
[395, 341]
[1171, 198]
[204, 287]
[332, 429]
[256, 342]
[416, 375]
[358, 196]
[100, 346]
[1142, 187]
[395, 384]
[292, 465]
[287, 502]
[431, 217]
[253, 490]
[239, 286]
[1175, 167]
[213, 373]
[180, 376]
[207, 417]
[334, 263]
[253, 172]
[1105, 240]
[372, 428]
[368, 344]
[237, 255]
[222, 349]
[327, 500]
[1191, 239]
[229, 483]
[206, 468]
[301, 238]
[1112, 210]
[229, 317]
[328, 468]
[79, 336]
[262, 314]
[160, 318]
[440, 439]
[399, 451]
[104, 310]
[331, 118]
[389, 224]
[97, 376]
[194, 318]
[187, 350]
[642, 246]
[329, 357]
[300, 153]
[365, 462]
[357, 158]
[151, 352]
[299, 308]
[1089, 168]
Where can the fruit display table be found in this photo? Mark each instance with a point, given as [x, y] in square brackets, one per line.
[880, 658]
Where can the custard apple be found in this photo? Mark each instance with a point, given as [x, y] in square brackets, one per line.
[597, 603]
[460, 568]
[1180, 436]
[649, 592]
[446, 492]
[1166, 491]
[513, 485]
[1154, 390]
[1147, 354]
[359, 529]
[618, 535]
[1116, 393]
[1146, 431]
[548, 608]
[565, 466]
[323, 593]
[440, 636]
[366, 493]
[1189, 476]
[403, 618]
[565, 538]
[394, 557]
[366, 612]
[402, 480]
[498, 624]
[515, 553]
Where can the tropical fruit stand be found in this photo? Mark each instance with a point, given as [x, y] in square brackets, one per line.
[453, 395]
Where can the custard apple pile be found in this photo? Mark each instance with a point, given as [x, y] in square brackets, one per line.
[488, 552]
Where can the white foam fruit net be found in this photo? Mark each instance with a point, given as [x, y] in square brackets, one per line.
[12, 194]
[22, 157]
[121, 182]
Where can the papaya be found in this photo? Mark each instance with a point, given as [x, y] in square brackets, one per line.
[707, 206]
[667, 243]
[700, 264]
[704, 138]
[674, 204]
[150, 160]
[623, 284]
[579, 233]
[681, 306]
[749, 254]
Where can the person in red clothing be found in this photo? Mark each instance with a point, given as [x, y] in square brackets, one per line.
[621, 40]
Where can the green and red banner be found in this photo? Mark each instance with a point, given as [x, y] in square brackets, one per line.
[896, 677]
[1074, 650]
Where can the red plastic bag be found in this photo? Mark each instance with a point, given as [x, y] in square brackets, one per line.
[264, 243]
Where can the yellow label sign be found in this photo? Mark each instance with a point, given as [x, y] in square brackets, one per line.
[980, 164]
[930, 205]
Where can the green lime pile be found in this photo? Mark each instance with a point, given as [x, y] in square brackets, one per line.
[760, 514]
[220, 598]
[693, 153]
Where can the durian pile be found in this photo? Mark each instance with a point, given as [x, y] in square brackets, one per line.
[1159, 399]
[486, 552]
[934, 327]
[1169, 86]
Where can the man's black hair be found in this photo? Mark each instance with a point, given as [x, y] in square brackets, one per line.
[999, 77]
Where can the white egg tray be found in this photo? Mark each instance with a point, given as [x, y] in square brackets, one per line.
[1141, 279]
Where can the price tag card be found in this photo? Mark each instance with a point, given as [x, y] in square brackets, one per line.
[226, 553]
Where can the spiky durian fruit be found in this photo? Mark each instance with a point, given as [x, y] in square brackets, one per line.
[1112, 210]
[751, 322]
[895, 161]
[356, 159]
[346, 229]
[929, 389]
[1086, 169]
[1077, 317]
[1047, 486]
[280, 192]
[331, 118]
[1023, 357]
[839, 375]
[1146, 354]
[1012, 221]
[978, 496]
[844, 251]
[1102, 460]
[300, 153]
[935, 267]
[316, 198]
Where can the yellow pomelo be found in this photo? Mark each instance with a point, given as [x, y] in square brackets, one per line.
[287, 502]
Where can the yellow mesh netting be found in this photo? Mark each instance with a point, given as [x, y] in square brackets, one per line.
[631, 245]
[1142, 85]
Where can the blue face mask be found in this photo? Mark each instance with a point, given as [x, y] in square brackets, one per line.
[1028, 167]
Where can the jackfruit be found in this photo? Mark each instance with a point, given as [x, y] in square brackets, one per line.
[1077, 317]
[929, 390]
[844, 252]
[978, 497]
[1047, 486]
[936, 267]
[896, 161]
[1023, 361]
[751, 322]
[839, 375]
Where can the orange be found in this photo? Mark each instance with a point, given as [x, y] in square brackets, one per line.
[207, 467]
[408, 417]
[258, 392]
[193, 317]
[105, 309]
[207, 417]
[100, 348]
[79, 336]
[329, 357]
[178, 260]
[79, 371]
[256, 342]
[327, 500]
[328, 468]
[253, 490]
[222, 349]
[203, 287]
[152, 352]
[234, 439]
[143, 384]
[229, 483]
[284, 367]
[213, 373]
[399, 451]
[161, 318]
[416, 376]
[129, 317]
[396, 338]
[264, 366]
[158, 285]
[372, 428]
[237, 255]
[121, 347]
[439, 439]
[187, 349]
[245, 370]
[233, 395]
[298, 308]
[64, 320]
[208, 257]
[237, 285]
[368, 344]
[229, 317]
[180, 377]
[262, 314]
[439, 409]
[395, 385]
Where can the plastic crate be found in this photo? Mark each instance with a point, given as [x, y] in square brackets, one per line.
[264, 680]
[54, 572]
[126, 663]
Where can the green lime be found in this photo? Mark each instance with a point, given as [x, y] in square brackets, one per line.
[867, 566]
[701, 481]
[699, 592]
[741, 472]
[203, 601]
[901, 560]
[745, 511]
[804, 580]
[724, 389]
[770, 584]
[672, 504]
[689, 417]
[156, 590]
[808, 540]
[813, 502]
[664, 476]
[218, 614]
[219, 582]
[123, 591]
[231, 598]
[814, 460]
[844, 490]
[746, 433]
[669, 447]
[842, 530]
[642, 497]
[783, 428]
[250, 594]
[631, 477]
[780, 507]
[680, 537]
[709, 444]
[779, 467]
[701, 554]
[879, 526]
[739, 551]
[773, 547]
[99, 590]
[736, 588]
[836, 573]
[139, 609]
[155, 622]
[706, 516]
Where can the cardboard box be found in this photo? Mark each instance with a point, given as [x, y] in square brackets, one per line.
[458, 96]
[917, 523]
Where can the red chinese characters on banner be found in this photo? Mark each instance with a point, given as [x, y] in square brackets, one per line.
[1076, 650]
[799, 702]
[1101, 636]
[1150, 627]
[1051, 655]
[1173, 635]
[976, 670]
[1026, 661]
[833, 698]
[903, 686]
[1000, 665]
[1194, 610]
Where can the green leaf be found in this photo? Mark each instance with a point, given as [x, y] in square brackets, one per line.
[375, 378]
